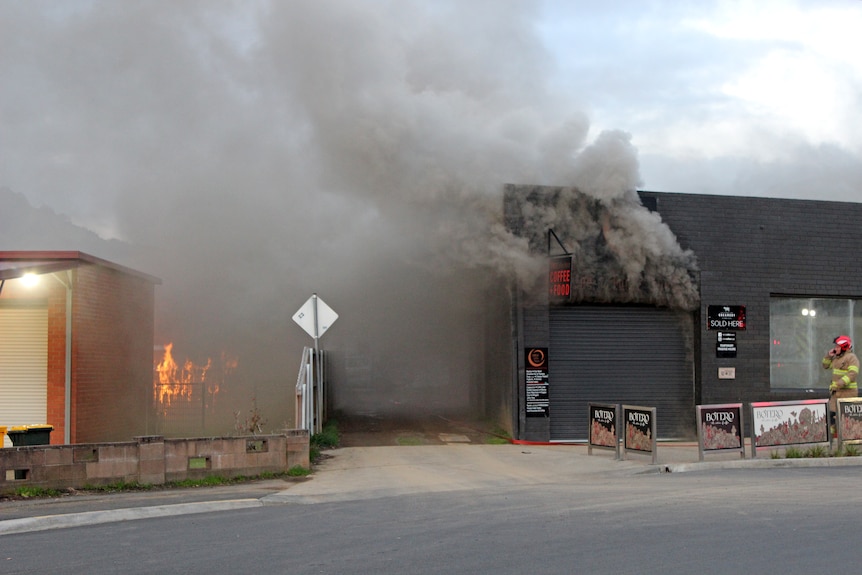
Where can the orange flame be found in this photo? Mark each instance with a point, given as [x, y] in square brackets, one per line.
[172, 383]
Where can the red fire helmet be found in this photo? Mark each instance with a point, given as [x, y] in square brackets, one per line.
[844, 342]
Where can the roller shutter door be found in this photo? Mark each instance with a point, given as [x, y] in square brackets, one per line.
[23, 366]
[628, 355]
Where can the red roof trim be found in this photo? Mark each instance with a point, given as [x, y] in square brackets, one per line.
[14, 264]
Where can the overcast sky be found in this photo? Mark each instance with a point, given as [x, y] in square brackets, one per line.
[317, 144]
[104, 100]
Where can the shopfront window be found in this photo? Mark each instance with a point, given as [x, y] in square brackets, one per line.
[802, 330]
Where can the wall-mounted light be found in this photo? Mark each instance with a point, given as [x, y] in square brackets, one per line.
[30, 280]
[809, 312]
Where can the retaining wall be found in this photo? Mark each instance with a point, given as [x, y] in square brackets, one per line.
[151, 460]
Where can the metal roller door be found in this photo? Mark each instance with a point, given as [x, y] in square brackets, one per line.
[23, 366]
[630, 355]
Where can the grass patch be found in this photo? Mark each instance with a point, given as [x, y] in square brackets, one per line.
[208, 481]
[298, 471]
[29, 491]
[495, 440]
[849, 450]
[409, 440]
[328, 438]
[119, 486]
[817, 451]
[498, 436]
[793, 453]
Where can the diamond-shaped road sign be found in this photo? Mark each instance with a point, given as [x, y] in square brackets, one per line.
[305, 316]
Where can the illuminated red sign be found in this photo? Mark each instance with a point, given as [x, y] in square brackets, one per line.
[560, 277]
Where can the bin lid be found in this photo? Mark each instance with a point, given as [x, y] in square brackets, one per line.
[42, 427]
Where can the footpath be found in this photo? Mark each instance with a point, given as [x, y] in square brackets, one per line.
[352, 473]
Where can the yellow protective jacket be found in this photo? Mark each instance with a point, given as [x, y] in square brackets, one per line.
[845, 370]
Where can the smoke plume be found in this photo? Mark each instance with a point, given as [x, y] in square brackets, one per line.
[251, 154]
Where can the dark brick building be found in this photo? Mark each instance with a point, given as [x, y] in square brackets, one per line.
[76, 349]
[648, 272]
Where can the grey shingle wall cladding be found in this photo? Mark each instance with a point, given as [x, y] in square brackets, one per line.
[751, 248]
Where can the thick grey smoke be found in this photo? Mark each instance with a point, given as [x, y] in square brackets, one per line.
[250, 154]
[621, 252]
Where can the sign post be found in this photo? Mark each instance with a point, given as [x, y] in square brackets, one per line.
[315, 317]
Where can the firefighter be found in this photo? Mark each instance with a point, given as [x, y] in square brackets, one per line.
[845, 369]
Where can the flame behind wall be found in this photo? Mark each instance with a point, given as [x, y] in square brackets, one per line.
[185, 396]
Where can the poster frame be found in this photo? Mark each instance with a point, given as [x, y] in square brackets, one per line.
[737, 408]
[626, 410]
[763, 405]
[839, 423]
[615, 407]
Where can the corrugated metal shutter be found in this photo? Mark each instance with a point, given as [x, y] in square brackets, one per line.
[631, 355]
[23, 366]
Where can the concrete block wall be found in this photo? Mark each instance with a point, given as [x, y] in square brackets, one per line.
[151, 460]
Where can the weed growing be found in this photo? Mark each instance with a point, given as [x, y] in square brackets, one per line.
[328, 438]
[792, 453]
[409, 440]
[817, 451]
[298, 471]
[28, 492]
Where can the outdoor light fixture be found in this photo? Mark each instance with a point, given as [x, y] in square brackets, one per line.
[29, 280]
[809, 312]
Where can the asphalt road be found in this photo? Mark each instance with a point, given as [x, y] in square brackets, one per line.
[504, 509]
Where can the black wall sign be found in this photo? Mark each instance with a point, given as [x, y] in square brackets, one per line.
[725, 344]
[725, 317]
[538, 401]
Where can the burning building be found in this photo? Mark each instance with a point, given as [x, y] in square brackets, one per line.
[670, 301]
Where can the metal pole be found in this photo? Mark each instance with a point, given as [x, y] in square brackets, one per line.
[315, 427]
[306, 394]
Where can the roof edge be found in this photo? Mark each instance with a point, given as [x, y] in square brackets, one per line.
[71, 257]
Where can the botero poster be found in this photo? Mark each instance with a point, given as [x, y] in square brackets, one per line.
[603, 425]
[789, 423]
[851, 418]
[721, 427]
[640, 427]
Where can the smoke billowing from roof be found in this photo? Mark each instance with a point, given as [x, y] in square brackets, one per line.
[254, 153]
[621, 252]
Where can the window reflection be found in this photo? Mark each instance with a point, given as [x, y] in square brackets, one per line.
[801, 330]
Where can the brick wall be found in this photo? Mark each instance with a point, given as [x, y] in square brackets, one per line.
[112, 353]
[56, 361]
[749, 249]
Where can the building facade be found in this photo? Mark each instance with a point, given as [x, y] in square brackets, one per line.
[76, 346]
[673, 301]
